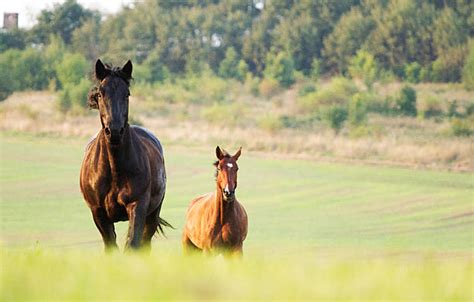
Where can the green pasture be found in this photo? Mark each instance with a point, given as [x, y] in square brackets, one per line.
[316, 230]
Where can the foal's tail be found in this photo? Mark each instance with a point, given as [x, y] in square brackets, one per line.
[163, 223]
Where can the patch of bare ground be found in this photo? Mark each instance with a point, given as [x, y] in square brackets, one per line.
[35, 112]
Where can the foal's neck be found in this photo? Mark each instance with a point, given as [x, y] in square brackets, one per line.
[222, 208]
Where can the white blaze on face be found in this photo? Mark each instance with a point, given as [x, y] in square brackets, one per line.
[230, 165]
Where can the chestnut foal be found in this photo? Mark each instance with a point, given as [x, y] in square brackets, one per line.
[217, 222]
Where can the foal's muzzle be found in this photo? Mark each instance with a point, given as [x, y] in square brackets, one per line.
[228, 194]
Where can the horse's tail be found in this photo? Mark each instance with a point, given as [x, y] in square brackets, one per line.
[163, 223]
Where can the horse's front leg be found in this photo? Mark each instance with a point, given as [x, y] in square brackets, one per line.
[137, 217]
[106, 228]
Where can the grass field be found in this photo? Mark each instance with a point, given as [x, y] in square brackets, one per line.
[316, 230]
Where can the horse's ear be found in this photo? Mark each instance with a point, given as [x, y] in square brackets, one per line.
[237, 154]
[100, 70]
[127, 69]
[219, 153]
[93, 98]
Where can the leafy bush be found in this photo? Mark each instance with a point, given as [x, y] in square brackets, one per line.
[315, 69]
[334, 116]
[271, 123]
[228, 67]
[468, 69]
[406, 101]
[461, 127]
[357, 113]
[224, 114]
[449, 67]
[74, 96]
[306, 89]
[281, 68]
[72, 69]
[363, 66]
[430, 106]
[268, 87]
[252, 84]
[412, 72]
[338, 92]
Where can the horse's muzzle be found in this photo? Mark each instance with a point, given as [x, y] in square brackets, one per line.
[114, 136]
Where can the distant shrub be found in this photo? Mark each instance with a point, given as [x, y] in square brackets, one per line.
[425, 74]
[271, 123]
[315, 69]
[252, 84]
[468, 68]
[363, 66]
[72, 69]
[141, 74]
[74, 96]
[306, 89]
[338, 92]
[358, 107]
[461, 127]
[334, 116]
[412, 72]
[281, 68]
[406, 101]
[224, 114]
[156, 69]
[64, 102]
[449, 67]
[242, 71]
[232, 67]
[268, 87]
[430, 106]
[453, 109]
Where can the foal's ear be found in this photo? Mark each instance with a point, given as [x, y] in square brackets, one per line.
[220, 153]
[127, 69]
[100, 70]
[93, 98]
[237, 154]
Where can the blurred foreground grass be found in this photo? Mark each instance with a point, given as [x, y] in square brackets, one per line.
[45, 274]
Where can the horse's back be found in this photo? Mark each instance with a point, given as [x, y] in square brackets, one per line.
[145, 133]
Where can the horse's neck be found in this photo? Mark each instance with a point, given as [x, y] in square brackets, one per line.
[123, 157]
[221, 209]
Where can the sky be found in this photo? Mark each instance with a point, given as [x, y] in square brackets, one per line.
[29, 9]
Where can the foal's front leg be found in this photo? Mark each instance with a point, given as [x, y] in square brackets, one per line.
[137, 216]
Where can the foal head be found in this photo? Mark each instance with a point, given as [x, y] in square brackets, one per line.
[111, 98]
[227, 172]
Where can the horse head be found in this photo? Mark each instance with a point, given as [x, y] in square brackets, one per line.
[111, 99]
[226, 176]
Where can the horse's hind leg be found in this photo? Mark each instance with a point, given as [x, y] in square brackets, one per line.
[106, 229]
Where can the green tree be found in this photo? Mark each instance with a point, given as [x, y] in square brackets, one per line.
[62, 20]
[348, 37]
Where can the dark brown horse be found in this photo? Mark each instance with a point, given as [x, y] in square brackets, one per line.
[217, 222]
[123, 173]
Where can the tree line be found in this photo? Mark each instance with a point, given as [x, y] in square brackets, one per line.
[412, 40]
